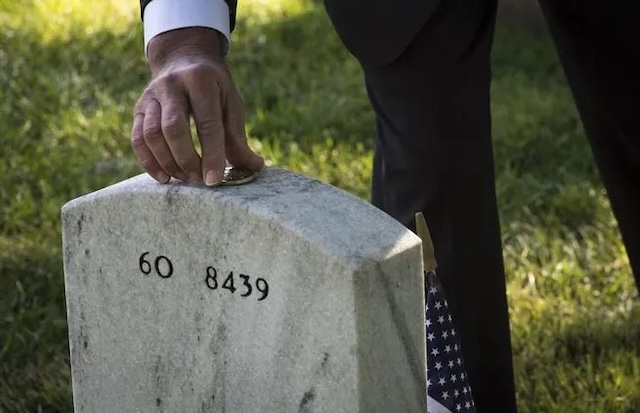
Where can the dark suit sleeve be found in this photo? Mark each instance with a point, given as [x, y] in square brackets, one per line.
[233, 4]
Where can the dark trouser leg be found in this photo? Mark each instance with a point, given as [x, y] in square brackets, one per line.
[599, 46]
[434, 155]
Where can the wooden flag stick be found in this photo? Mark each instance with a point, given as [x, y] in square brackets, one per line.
[428, 254]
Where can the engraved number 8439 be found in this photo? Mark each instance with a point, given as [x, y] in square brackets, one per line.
[229, 283]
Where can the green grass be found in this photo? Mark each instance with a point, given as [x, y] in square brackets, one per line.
[71, 71]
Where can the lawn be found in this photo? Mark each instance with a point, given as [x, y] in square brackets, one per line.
[70, 72]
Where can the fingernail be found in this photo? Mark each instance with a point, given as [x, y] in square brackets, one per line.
[162, 177]
[211, 178]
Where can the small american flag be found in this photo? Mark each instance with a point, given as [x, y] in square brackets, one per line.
[448, 389]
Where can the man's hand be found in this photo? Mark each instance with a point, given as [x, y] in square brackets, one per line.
[190, 78]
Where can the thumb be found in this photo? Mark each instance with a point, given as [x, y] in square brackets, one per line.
[237, 148]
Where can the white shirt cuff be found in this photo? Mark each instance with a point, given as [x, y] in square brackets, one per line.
[164, 15]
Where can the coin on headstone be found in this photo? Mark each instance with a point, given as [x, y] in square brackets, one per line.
[237, 176]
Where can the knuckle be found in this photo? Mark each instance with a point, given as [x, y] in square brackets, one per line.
[137, 137]
[173, 125]
[209, 125]
[137, 141]
[148, 92]
[142, 102]
[205, 75]
[169, 79]
[152, 130]
[202, 69]
[138, 109]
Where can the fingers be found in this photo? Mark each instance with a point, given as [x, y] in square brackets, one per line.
[206, 106]
[143, 153]
[161, 136]
[155, 140]
[238, 151]
[175, 128]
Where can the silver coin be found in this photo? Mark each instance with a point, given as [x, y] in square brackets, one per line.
[237, 176]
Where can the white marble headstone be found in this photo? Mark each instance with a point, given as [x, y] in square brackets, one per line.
[282, 295]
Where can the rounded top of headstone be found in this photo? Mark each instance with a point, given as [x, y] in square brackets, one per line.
[329, 217]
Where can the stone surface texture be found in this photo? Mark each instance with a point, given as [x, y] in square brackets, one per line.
[341, 329]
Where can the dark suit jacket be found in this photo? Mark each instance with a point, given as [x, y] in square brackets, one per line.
[376, 32]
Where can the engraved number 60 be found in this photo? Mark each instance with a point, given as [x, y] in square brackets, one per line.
[145, 266]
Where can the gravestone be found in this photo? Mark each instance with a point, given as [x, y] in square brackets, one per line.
[282, 295]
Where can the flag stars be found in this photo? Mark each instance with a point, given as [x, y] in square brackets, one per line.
[446, 379]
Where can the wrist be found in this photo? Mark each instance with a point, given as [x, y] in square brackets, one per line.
[192, 44]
